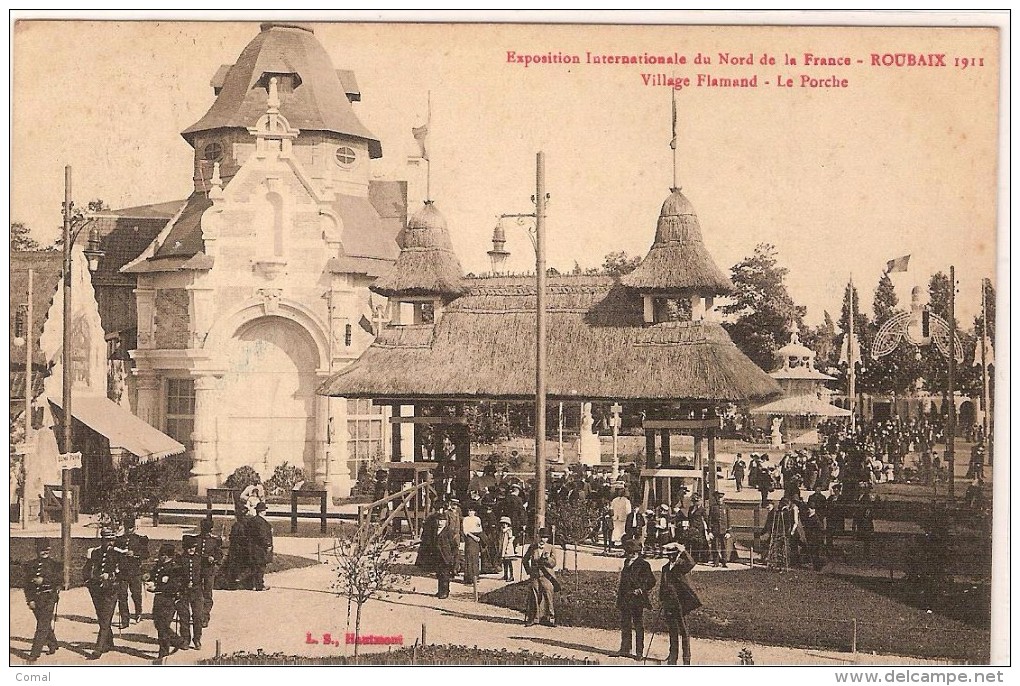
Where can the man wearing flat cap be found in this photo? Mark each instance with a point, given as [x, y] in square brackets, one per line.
[678, 599]
[43, 577]
[636, 581]
[102, 577]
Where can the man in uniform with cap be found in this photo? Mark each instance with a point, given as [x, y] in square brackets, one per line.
[678, 599]
[165, 580]
[210, 552]
[718, 526]
[540, 566]
[102, 577]
[43, 577]
[261, 541]
[134, 550]
[191, 605]
[636, 580]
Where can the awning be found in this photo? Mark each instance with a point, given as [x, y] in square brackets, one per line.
[123, 429]
[803, 406]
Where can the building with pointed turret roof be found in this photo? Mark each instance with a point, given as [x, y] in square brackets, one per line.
[255, 290]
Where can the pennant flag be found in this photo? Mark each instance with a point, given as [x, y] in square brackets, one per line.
[672, 143]
[850, 350]
[897, 265]
[366, 325]
[420, 133]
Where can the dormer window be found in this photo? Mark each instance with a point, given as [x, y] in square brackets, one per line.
[285, 83]
[345, 156]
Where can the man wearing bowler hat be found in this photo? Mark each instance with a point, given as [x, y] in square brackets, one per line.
[636, 581]
[102, 575]
[43, 577]
[678, 599]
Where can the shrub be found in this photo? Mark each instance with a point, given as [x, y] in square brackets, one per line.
[284, 478]
[242, 477]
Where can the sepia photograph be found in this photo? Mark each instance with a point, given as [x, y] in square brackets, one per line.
[504, 340]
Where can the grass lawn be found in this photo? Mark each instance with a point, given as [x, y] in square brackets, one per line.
[23, 549]
[796, 608]
[431, 655]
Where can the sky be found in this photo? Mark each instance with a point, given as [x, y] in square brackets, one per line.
[903, 160]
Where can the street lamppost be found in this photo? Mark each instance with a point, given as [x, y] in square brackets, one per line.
[920, 327]
[74, 224]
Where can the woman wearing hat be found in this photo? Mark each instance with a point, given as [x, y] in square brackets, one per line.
[506, 548]
[540, 565]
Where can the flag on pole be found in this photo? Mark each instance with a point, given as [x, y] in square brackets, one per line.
[420, 133]
[672, 143]
[897, 265]
[850, 350]
[989, 354]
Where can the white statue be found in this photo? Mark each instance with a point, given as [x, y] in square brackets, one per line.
[777, 435]
[589, 447]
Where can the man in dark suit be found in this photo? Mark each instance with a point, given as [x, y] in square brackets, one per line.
[445, 556]
[102, 577]
[43, 578]
[636, 580]
[260, 539]
[191, 604]
[134, 550]
[635, 525]
[210, 552]
[678, 599]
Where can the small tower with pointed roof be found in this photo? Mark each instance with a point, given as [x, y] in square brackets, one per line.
[499, 254]
[427, 273]
[677, 273]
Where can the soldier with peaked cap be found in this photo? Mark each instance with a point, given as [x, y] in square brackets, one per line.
[678, 599]
[165, 580]
[102, 577]
[134, 550]
[191, 604]
[210, 551]
[43, 577]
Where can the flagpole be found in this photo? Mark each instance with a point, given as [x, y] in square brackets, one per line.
[672, 144]
[986, 400]
[951, 432]
[428, 158]
[851, 361]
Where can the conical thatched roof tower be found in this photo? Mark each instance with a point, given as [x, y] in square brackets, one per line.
[427, 267]
[678, 260]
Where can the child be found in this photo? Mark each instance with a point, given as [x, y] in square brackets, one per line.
[506, 548]
[607, 531]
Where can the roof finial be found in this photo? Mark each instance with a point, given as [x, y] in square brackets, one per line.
[216, 183]
[794, 333]
[274, 97]
[672, 144]
[420, 134]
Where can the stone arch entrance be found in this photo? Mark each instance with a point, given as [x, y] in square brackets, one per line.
[267, 400]
[967, 415]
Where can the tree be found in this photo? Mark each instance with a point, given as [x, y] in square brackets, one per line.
[21, 238]
[618, 264]
[78, 216]
[365, 568]
[574, 522]
[762, 306]
[822, 340]
[132, 488]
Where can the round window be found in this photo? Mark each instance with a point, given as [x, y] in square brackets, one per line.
[212, 152]
[345, 156]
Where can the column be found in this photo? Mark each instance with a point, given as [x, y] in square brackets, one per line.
[336, 479]
[407, 445]
[649, 448]
[664, 448]
[205, 472]
[148, 397]
[713, 483]
[395, 436]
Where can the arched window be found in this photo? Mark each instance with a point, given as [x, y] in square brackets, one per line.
[345, 156]
[213, 152]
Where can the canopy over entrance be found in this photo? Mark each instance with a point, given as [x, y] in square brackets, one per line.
[123, 429]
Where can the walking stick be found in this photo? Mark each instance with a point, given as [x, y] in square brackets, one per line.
[655, 630]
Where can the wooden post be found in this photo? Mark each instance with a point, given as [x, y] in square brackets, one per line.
[649, 448]
[664, 447]
[423, 634]
[323, 507]
[853, 635]
[951, 432]
[293, 512]
[395, 435]
[757, 527]
[713, 481]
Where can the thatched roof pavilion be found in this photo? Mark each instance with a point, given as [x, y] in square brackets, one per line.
[598, 349]
[678, 259]
[427, 265]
